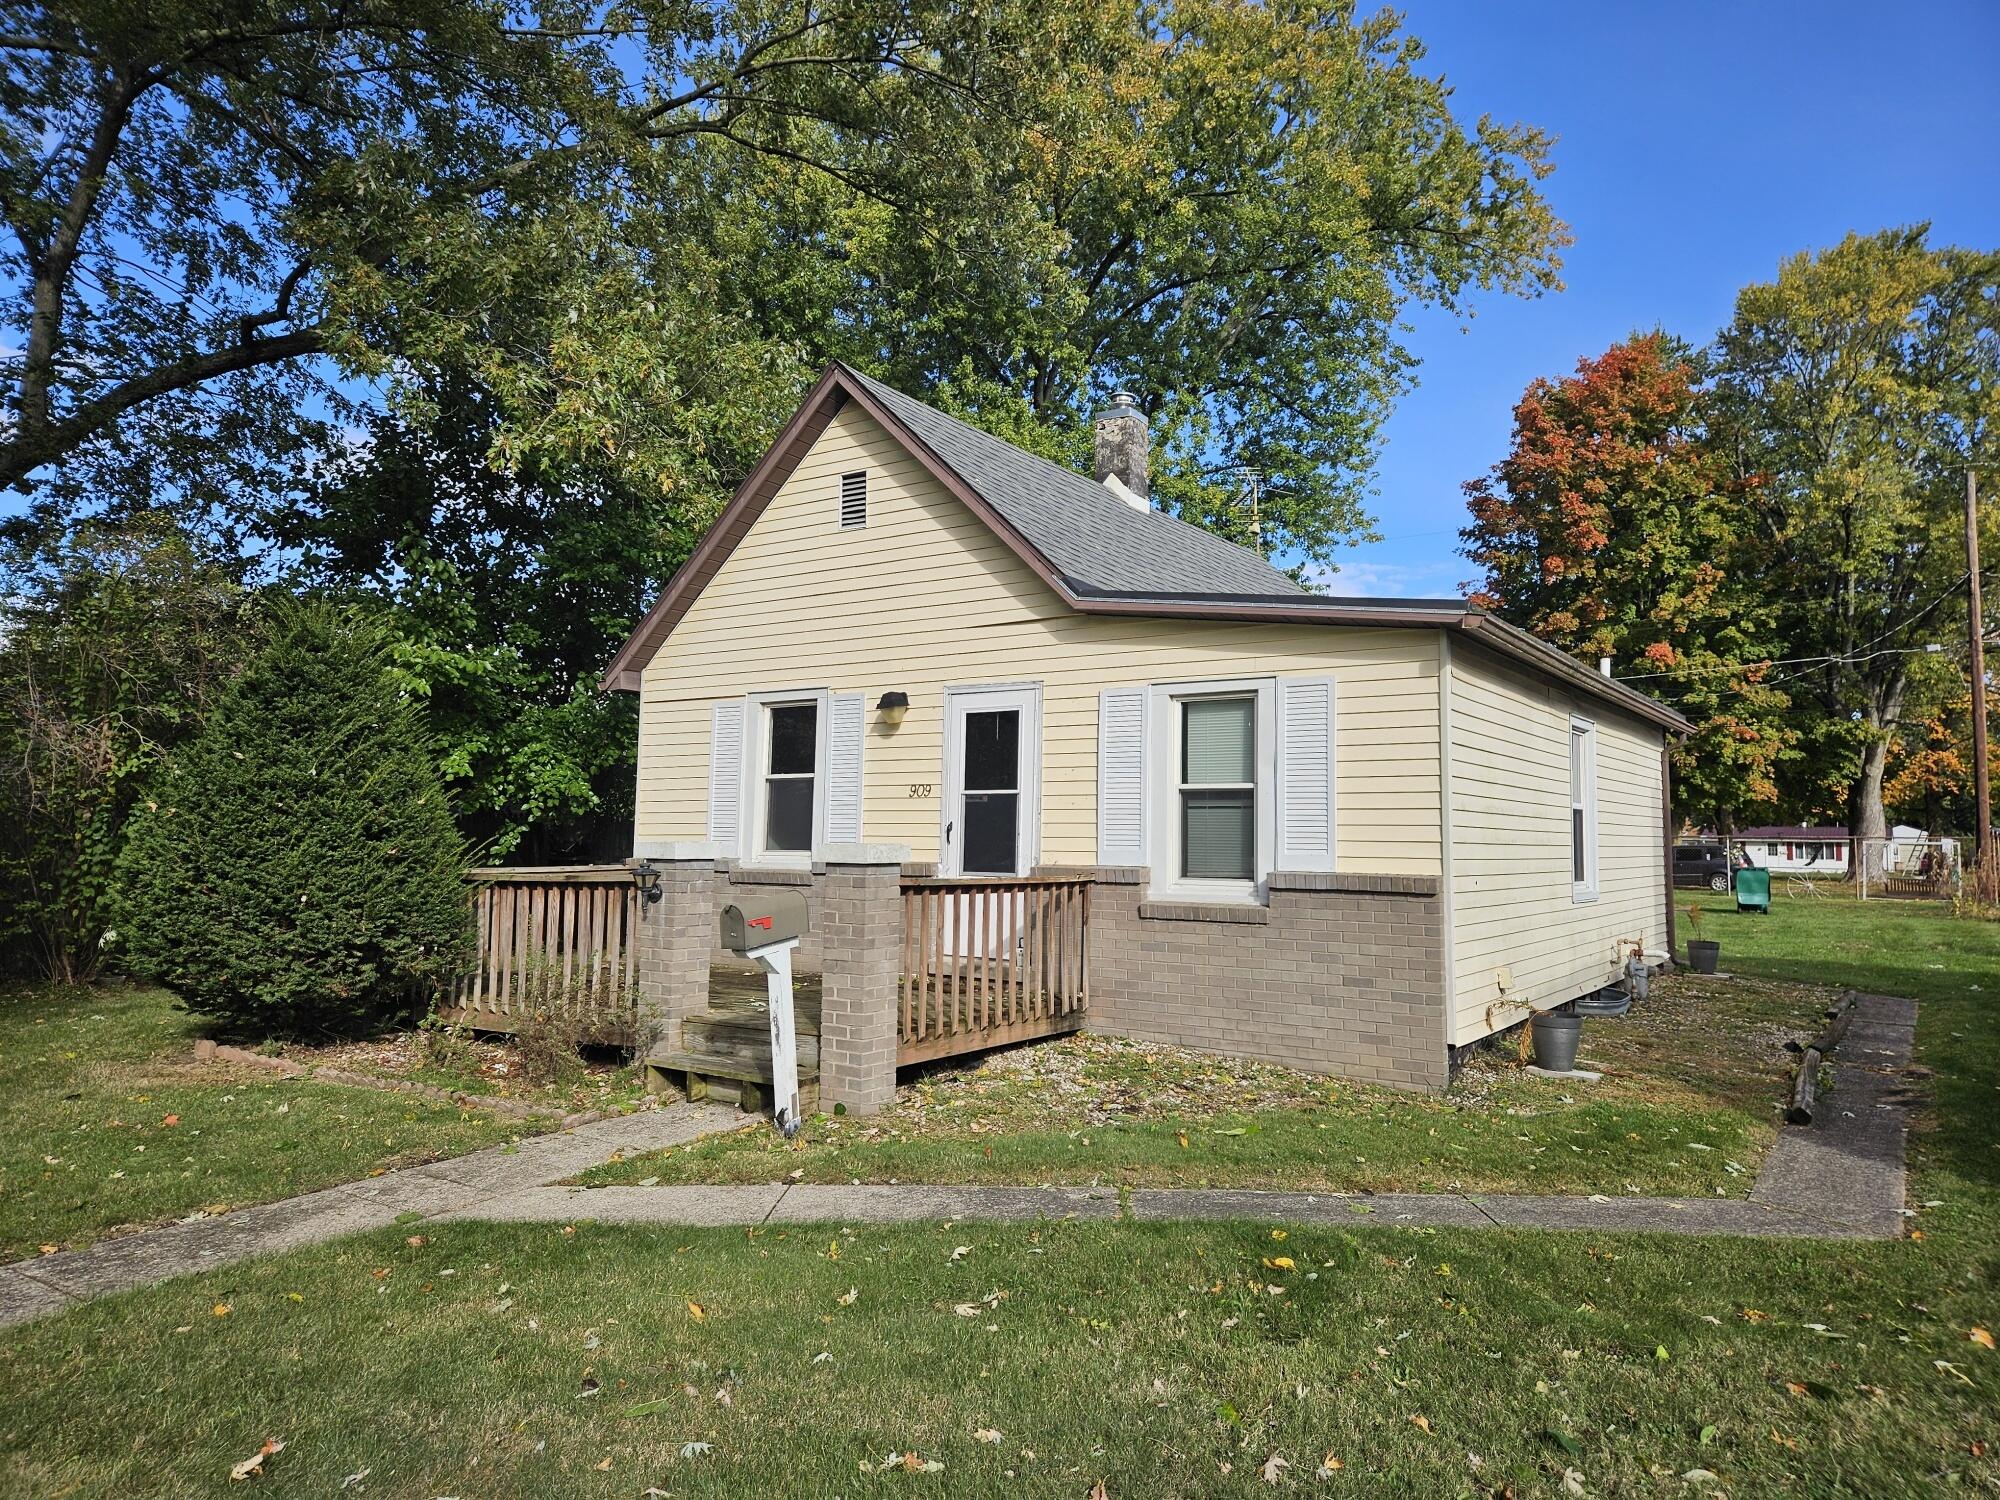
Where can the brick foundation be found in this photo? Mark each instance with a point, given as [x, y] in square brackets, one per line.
[1340, 974]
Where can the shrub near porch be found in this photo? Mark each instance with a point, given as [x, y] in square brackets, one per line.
[1689, 1106]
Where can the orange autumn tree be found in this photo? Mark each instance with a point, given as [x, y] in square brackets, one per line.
[1612, 528]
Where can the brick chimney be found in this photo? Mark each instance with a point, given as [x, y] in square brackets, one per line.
[1122, 441]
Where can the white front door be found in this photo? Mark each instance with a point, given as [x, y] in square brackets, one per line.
[992, 781]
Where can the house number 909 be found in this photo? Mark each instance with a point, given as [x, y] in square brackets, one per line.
[920, 789]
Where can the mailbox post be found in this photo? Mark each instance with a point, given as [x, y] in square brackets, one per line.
[767, 931]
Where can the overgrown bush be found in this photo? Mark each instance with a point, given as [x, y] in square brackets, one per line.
[297, 868]
[114, 642]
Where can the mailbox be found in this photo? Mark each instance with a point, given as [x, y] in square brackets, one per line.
[776, 918]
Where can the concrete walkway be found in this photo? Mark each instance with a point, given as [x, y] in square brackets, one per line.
[1842, 1177]
[460, 1186]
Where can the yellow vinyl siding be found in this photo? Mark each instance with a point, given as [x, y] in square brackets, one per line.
[1511, 897]
[925, 596]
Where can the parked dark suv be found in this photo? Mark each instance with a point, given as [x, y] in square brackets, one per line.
[1706, 863]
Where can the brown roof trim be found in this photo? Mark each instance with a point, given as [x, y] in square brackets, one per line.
[1301, 610]
[835, 388]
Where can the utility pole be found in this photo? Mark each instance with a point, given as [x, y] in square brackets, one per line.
[1986, 868]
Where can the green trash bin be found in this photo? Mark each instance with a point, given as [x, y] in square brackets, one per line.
[1753, 889]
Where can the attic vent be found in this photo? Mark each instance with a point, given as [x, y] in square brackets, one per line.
[854, 500]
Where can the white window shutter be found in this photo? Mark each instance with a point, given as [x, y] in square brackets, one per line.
[845, 718]
[1305, 773]
[1121, 776]
[725, 778]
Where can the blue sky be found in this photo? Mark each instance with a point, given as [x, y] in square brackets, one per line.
[1699, 144]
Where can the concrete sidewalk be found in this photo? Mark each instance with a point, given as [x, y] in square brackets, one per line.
[29, 1289]
[1842, 1177]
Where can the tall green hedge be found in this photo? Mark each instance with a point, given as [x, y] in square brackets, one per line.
[298, 868]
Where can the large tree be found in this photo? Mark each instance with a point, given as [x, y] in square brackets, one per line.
[1855, 389]
[223, 215]
[504, 594]
[1229, 212]
[1612, 528]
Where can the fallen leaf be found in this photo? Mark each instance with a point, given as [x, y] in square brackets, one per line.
[589, 1388]
[696, 1450]
[1980, 1337]
[1098, 1492]
[254, 1464]
[846, 1299]
[1280, 1262]
[605, 1466]
[1328, 1467]
[355, 1478]
[697, 1311]
[1573, 1481]
[1422, 1423]
[169, 1121]
[986, 1435]
[222, 1309]
[1273, 1470]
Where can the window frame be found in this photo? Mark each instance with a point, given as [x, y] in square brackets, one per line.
[757, 773]
[1582, 797]
[1165, 788]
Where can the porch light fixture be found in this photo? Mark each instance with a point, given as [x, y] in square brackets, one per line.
[646, 875]
[892, 707]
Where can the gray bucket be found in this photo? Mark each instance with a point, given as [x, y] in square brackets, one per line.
[1556, 1038]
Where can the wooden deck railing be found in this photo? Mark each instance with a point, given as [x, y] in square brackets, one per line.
[987, 962]
[558, 939]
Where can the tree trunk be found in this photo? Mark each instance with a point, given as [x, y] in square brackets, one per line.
[1867, 824]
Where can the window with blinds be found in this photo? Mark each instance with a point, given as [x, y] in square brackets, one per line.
[854, 500]
[1218, 788]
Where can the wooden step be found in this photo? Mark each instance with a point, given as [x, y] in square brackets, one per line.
[752, 1069]
[745, 1036]
[745, 1082]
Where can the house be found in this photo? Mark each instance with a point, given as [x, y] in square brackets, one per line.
[1353, 835]
[1789, 850]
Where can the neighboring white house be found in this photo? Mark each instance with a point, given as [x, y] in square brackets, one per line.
[1791, 849]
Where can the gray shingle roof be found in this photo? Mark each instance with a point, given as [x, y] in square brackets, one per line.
[1093, 538]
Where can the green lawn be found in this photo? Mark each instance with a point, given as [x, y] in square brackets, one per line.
[1688, 1106]
[535, 1361]
[106, 1121]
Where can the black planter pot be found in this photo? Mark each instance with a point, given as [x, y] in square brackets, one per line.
[1703, 956]
[1556, 1038]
